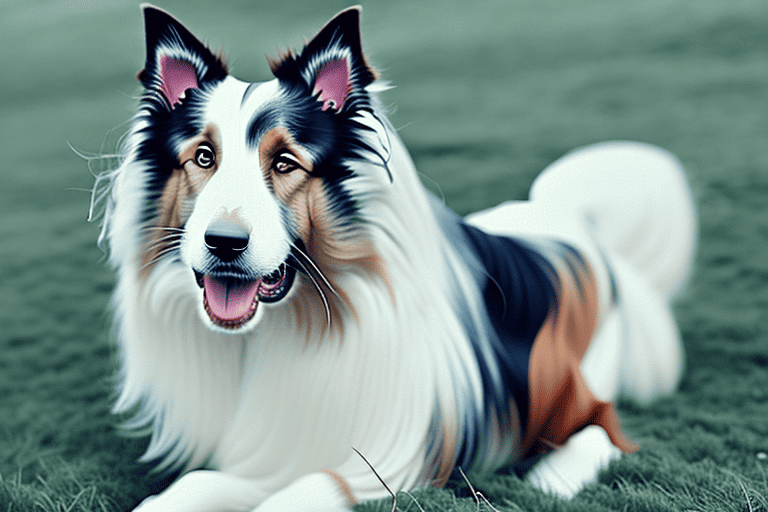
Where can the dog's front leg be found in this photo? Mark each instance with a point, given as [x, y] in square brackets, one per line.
[316, 492]
[205, 491]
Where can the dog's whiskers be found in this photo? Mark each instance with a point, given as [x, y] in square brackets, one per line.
[165, 242]
[160, 255]
[163, 239]
[316, 269]
[312, 270]
[319, 291]
[163, 228]
[172, 237]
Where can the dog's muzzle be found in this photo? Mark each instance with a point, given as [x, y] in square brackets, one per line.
[231, 295]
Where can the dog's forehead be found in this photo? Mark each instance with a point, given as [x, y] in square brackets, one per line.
[258, 94]
[233, 105]
[233, 99]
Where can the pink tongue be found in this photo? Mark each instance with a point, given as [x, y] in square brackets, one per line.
[229, 302]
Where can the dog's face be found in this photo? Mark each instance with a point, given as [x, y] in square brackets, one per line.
[248, 184]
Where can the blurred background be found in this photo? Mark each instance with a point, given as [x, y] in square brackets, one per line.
[487, 93]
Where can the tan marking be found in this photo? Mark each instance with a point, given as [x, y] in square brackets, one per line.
[334, 250]
[447, 457]
[343, 485]
[182, 186]
[276, 140]
[561, 403]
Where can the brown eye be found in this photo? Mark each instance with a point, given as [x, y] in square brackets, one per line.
[284, 163]
[204, 156]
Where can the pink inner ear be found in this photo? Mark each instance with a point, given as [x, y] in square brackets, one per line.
[177, 76]
[332, 82]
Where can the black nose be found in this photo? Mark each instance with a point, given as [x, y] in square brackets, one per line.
[226, 240]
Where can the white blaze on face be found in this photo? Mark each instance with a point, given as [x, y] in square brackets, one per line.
[236, 194]
[237, 191]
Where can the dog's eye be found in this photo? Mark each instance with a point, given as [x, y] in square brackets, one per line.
[204, 156]
[284, 163]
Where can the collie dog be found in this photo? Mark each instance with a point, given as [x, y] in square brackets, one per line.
[298, 317]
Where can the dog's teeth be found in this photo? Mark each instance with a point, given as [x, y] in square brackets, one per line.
[274, 277]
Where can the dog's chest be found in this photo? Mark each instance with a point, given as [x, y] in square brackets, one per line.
[303, 409]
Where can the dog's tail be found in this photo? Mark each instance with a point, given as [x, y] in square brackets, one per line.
[637, 202]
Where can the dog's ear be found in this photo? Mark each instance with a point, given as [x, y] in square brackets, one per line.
[176, 60]
[332, 64]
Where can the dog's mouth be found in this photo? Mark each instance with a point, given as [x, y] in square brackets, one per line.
[232, 301]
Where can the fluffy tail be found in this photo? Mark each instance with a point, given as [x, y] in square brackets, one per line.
[637, 202]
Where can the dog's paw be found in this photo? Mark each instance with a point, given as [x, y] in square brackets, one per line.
[566, 470]
[146, 505]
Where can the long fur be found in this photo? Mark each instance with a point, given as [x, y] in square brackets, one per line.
[424, 341]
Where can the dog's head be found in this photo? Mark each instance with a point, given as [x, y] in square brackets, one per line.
[250, 186]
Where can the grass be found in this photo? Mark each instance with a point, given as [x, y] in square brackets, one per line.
[487, 94]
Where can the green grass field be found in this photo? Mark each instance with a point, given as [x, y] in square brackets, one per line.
[487, 94]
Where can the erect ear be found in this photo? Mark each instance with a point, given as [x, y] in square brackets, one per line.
[332, 64]
[176, 60]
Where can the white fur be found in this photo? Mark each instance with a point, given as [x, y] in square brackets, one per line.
[237, 187]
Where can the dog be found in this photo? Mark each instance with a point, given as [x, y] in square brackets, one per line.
[299, 320]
